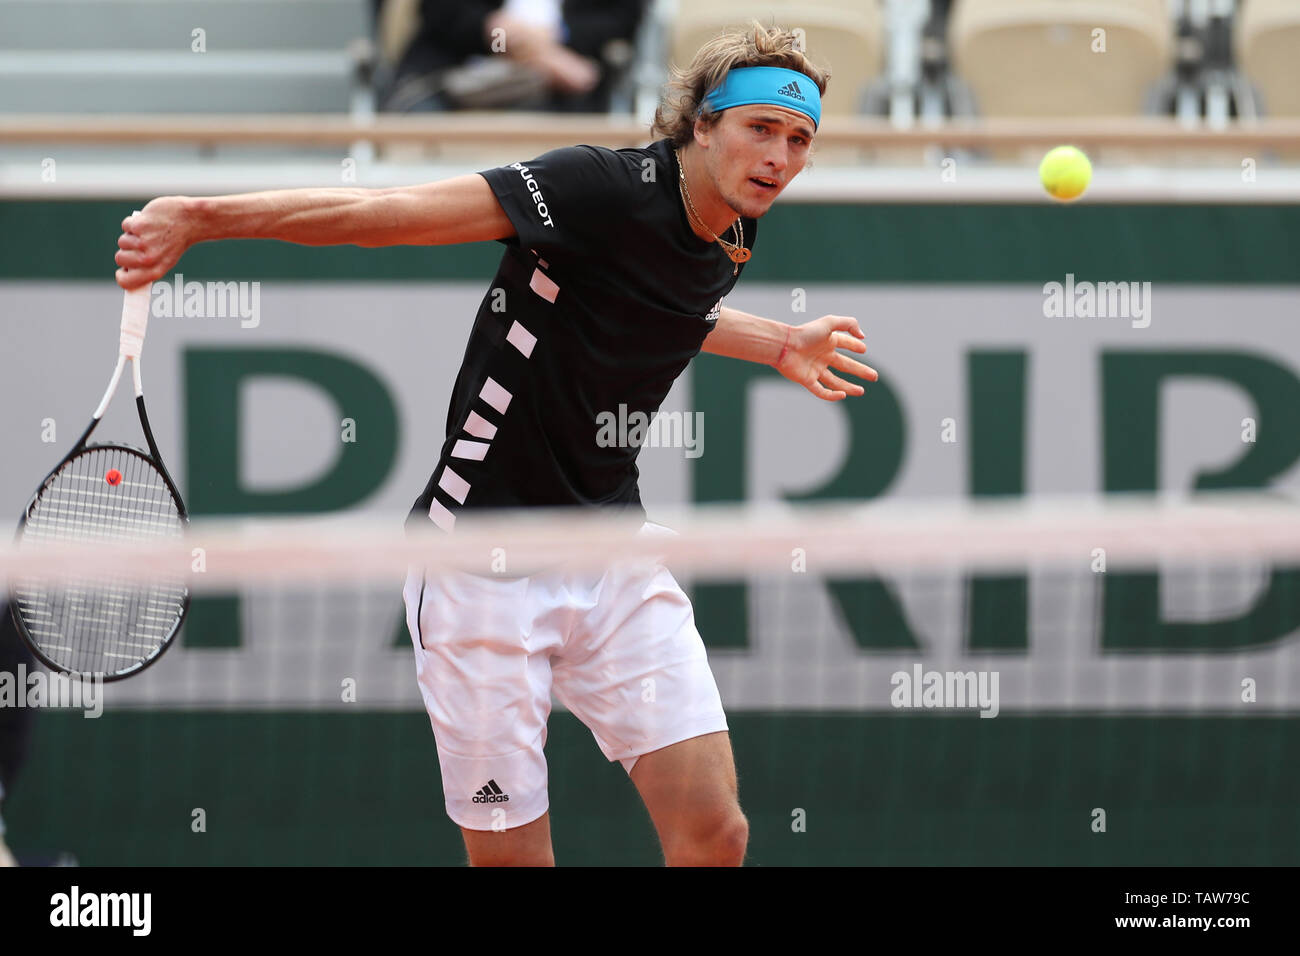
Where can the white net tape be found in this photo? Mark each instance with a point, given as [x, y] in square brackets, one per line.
[715, 542]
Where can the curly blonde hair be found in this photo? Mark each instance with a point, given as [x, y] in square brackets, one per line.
[756, 45]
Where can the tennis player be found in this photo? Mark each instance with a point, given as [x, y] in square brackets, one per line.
[615, 268]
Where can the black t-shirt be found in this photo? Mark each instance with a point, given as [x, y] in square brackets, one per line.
[601, 299]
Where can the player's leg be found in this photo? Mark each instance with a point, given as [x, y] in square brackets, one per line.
[690, 790]
[482, 655]
[528, 845]
[636, 672]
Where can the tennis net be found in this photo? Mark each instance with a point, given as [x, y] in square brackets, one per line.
[1130, 599]
[1138, 653]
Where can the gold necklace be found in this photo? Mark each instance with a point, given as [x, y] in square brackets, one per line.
[736, 251]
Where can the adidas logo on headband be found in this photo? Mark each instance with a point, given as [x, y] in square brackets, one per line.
[791, 89]
[777, 86]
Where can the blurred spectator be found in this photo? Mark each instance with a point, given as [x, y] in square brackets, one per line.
[564, 55]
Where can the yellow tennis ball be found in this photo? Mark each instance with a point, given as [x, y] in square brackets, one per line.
[1065, 173]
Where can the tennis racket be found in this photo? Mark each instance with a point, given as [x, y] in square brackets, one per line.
[103, 625]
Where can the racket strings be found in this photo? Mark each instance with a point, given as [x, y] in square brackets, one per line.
[103, 624]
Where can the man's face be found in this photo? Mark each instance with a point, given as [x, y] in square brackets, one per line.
[752, 153]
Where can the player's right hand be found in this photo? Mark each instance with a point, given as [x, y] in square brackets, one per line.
[152, 241]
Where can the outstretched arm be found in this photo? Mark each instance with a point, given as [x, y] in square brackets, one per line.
[460, 209]
[805, 354]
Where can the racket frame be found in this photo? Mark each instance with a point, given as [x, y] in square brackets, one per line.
[154, 459]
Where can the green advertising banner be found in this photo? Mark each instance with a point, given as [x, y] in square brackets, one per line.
[1023, 351]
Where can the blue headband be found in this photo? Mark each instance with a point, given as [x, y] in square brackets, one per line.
[770, 85]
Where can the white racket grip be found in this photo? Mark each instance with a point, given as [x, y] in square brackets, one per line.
[135, 317]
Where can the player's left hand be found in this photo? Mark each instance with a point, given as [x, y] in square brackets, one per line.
[814, 350]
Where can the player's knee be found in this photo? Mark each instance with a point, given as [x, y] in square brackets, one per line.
[733, 840]
[715, 840]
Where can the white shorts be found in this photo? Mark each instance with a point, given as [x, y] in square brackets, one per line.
[619, 649]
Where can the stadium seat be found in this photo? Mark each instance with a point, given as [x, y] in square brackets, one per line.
[844, 35]
[103, 56]
[1268, 52]
[1035, 58]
